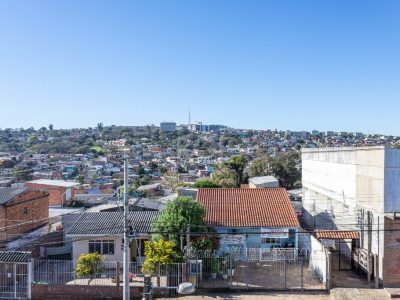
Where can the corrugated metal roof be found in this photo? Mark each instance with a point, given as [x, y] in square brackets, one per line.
[337, 234]
[8, 193]
[247, 208]
[15, 256]
[109, 223]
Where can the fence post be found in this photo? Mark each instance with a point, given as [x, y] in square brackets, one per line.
[328, 270]
[285, 266]
[117, 279]
[302, 273]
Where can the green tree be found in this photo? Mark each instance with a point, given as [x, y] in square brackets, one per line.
[284, 168]
[100, 126]
[206, 183]
[89, 265]
[80, 178]
[258, 167]
[23, 173]
[51, 127]
[175, 218]
[226, 177]
[237, 163]
[158, 253]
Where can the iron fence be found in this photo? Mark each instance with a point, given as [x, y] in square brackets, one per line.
[274, 269]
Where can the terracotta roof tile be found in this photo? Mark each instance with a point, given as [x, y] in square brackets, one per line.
[247, 208]
[337, 234]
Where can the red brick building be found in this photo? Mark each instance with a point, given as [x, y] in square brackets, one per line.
[60, 191]
[22, 210]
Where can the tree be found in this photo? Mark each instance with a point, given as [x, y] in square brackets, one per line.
[237, 163]
[89, 265]
[51, 127]
[80, 178]
[175, 218]
[258, 167]
[284, 168]
[158, 253]
[100, 126]
[7, 164]
[23, 173]
[226, 177]
[206, 183]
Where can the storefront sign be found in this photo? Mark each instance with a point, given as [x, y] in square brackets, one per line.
[231, 239]
[275, 233]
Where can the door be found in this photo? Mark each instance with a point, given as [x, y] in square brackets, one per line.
[345, 254]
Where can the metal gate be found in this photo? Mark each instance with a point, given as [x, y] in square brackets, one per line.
[345, 255]
[14, 281]
[268, 272]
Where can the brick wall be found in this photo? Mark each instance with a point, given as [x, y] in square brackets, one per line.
[57, 193]
[23, 214]
[77, 292]
[391, 258]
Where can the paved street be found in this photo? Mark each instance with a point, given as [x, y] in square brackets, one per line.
[336, 294]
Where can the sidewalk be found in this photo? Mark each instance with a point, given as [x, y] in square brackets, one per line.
[336, 294]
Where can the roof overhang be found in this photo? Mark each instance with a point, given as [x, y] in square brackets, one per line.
[337, 234]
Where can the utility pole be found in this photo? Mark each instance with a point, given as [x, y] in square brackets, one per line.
[126, 231]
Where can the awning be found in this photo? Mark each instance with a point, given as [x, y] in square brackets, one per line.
[337, 234]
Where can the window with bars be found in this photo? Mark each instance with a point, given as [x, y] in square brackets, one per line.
[103, 247]
[270, 240]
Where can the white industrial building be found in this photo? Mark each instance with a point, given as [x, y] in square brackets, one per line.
[356, 190]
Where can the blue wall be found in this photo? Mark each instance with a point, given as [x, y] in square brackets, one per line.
[253, 238]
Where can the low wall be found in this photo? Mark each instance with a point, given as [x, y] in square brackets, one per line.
[77, 292]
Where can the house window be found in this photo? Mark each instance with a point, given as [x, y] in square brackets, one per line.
[270, 241]
[103, 247]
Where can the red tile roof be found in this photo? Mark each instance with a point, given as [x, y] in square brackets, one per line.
[337, 234]
[247, 208]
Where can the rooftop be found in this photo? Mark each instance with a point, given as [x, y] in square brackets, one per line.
[337, 234]
[268, 207]
[111, 223]
[55, 182]
[8, 193]
[262, 179]
[15, 256]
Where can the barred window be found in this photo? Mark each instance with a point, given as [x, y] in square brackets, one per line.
[103, 247]
[270, 241]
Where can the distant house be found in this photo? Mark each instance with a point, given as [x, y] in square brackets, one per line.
[263, 182]
[151, 189]
[250, 218]
[21, 211]
[60, 191]
[102, 232]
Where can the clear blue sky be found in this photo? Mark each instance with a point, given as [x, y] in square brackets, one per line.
[327, 65]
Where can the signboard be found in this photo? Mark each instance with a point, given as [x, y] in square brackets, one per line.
[275, 233]
[328, 243]
[232, 239]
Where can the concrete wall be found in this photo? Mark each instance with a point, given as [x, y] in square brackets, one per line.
[338, 183]
[77, 292]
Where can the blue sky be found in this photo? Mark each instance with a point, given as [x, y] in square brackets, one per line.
[301, 65]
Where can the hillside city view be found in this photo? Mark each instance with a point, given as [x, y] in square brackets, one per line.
[199, 150]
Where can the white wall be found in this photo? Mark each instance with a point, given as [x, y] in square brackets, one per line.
[318, 259]
[81, 245]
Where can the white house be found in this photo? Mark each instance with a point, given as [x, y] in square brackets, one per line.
[102, 232]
